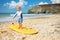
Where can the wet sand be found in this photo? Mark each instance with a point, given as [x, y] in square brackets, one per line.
[48, 29]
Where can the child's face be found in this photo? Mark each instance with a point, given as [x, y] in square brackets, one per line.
[18, 8]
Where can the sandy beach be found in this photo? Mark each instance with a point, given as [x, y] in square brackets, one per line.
[48, 29]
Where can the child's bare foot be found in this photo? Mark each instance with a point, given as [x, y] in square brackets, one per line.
[20, 28]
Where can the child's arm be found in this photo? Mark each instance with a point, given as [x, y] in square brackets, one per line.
[15, 15]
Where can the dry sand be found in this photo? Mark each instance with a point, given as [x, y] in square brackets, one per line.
[48, 29]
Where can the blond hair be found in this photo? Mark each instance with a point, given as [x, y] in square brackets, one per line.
[19, 7]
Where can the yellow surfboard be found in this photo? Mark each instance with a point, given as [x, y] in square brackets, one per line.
[24, 30]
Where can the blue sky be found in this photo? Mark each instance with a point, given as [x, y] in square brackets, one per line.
[9, 6]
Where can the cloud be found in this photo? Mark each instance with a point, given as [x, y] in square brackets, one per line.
[42, 3]
[55, 1]
[13, 4]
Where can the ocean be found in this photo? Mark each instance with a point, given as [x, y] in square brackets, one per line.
[8, 16]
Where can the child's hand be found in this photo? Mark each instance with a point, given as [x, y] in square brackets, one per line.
[12, 17]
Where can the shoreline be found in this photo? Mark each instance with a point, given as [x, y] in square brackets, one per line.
[26, 18]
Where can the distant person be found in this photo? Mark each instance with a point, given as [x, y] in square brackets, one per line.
[19, 15]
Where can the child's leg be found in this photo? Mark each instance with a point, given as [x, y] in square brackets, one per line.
[20, 25]
[20, 20]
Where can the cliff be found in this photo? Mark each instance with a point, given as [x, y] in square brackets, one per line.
[47, 8]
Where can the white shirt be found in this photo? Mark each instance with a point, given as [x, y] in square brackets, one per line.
[18, 13]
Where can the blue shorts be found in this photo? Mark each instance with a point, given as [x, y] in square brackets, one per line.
[20, 20]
